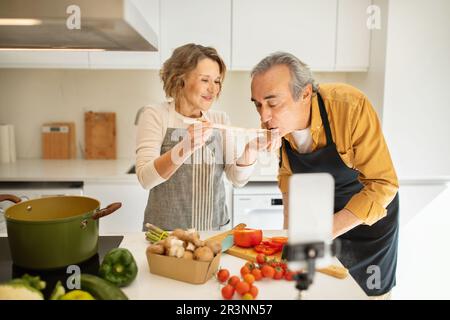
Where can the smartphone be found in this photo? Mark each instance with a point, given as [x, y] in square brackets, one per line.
[311, 205]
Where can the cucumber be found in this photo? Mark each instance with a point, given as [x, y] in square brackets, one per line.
[100, 288]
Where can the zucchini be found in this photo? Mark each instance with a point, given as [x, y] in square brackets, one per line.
[100, 288]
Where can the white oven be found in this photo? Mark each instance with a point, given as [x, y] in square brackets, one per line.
[259, 205]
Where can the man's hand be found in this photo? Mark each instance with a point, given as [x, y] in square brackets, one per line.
[267, 142]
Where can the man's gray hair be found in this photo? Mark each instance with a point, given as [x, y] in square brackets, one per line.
[300, 74]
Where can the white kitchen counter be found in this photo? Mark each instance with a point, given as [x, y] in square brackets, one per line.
[116, 171]
[150, 286]
[68, 170]
[86, 170]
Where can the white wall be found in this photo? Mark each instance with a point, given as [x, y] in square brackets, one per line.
[417, 95]
[416, 114]
[372, 81]
[423, 254]
[31, 97]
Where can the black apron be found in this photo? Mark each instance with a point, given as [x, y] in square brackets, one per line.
[369, 252]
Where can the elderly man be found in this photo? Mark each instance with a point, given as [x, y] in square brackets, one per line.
[333, 128]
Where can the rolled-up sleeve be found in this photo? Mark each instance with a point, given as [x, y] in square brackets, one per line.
[284, 172]
[149, 138]
[239, 175]
[374, 163]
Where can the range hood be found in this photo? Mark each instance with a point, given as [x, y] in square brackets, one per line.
[111, 25]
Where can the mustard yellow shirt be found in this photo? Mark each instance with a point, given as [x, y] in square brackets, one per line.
[360, 143]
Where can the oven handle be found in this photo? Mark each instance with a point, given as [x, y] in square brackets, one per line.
[276, 201]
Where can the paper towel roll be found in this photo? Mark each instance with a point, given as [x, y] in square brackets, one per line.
[4, 144]
[12, 144]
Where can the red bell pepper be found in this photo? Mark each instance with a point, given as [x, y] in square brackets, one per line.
[266, 250]
[247, 238]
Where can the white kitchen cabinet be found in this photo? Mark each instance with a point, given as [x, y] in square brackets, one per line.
[44, 59]
[328, 35]
[205, 22]
[130, 216]
[304, 28]
[124, 60]
[353, 36]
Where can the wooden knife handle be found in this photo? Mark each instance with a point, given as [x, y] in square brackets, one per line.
[334, 271]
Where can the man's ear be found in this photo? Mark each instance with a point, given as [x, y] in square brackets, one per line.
[307, 92]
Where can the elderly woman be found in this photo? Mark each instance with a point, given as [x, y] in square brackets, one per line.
[183, 163]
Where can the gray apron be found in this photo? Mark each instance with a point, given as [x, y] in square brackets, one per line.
[194, 196]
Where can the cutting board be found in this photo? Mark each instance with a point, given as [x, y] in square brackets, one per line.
[250, 255]
[58, 140]
[100, 135]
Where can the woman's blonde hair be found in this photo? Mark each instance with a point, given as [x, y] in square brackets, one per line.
[184, 59]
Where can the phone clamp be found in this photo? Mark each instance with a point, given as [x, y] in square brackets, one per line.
[308, 252]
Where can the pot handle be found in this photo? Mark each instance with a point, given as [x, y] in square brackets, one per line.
[106, 211]
[10, 197]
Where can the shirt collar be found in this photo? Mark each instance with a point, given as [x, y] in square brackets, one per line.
[316, 122]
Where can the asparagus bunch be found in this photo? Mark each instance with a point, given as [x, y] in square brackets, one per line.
[155, 234]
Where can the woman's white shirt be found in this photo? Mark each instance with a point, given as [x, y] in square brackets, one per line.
[152, 127]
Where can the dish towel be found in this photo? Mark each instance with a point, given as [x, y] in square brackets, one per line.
[7, 143]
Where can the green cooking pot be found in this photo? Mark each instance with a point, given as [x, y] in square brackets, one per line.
[53, 232]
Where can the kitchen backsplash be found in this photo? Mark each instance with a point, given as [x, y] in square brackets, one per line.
[31, 97]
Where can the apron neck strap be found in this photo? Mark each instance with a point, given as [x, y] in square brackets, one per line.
[326, 125]
[324, 116]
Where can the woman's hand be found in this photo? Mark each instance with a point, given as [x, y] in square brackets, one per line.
[169, 162]
[197, 135]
